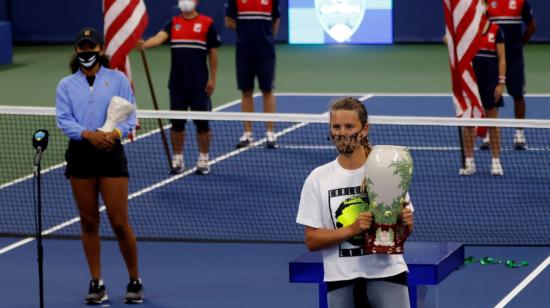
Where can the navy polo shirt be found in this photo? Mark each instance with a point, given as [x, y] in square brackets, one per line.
[190, 41]
[254, 20]
[510, 15]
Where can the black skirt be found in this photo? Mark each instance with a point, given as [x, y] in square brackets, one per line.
[87, 161]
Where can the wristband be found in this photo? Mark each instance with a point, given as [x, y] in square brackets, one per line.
[501, 79]
[118, 132]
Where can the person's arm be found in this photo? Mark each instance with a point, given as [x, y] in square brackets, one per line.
[501, 71]
[230, 23]
[231, 15]
[213, 41]
[318, 238]
[213, 63]
[276, 17]
[276, 25]
[531, 28]
[529, 19]
[64, 115]
[407, 216]
[153, 41]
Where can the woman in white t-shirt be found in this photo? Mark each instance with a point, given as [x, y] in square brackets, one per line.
[353, 278]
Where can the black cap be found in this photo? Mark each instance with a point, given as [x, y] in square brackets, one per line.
[89, 34]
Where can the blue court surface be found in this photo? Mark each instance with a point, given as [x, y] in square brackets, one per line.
[210, 274]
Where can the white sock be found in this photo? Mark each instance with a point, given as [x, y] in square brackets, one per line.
[495, 160]
[178, 157]
[469, 161]
[203, 156]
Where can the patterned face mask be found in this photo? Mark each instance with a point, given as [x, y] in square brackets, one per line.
[346, 144]
[87, 59]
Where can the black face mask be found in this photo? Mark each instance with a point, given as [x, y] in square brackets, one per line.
[87, 59]
[346, 144]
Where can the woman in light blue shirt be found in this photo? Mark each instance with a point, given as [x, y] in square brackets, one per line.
[96, 162]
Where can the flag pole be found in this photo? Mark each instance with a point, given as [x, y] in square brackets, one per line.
[460, 139]
[155, 105]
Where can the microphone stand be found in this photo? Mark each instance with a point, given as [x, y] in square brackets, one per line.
[39, 227]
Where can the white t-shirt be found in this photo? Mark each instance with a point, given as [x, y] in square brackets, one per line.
[323, 194]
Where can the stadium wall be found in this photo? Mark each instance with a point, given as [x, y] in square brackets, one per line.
[38, 21]
[4, 9]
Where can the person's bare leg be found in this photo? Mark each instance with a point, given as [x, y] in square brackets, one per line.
[203, 139]
[177, 139]
[519, 107]
[468, 135]
[85, 193]
[247, 105]
[494, 133]
[114, 191]
[269, 106]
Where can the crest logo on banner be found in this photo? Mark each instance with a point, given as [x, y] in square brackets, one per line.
[340, 18]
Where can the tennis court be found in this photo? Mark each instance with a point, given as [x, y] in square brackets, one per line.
[253, 207]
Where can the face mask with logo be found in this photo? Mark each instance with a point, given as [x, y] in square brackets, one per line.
[346, 144]
[186, 6]
[87, 59]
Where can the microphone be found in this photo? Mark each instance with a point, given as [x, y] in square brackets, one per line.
[40, 143]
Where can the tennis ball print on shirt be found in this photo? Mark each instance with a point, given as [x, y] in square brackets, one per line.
[347, 213]
[346, 204]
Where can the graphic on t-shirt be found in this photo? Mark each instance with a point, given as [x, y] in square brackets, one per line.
[345, 206]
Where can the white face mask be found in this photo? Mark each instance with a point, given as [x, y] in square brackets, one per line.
[186, 6]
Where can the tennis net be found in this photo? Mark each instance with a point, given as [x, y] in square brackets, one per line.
[252, 193]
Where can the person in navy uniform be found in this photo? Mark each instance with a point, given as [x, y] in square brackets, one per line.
[509, 15]
[193, 39]
[490, 70]
[96, 163]
[256, 23]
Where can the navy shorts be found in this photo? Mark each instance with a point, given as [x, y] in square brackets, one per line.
[486, 70]
[248, 68]
[193, 99]
[515, 76]
[86, 161]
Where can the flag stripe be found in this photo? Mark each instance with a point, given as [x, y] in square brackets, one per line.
[125, 39]
[117, 16]
[125, 21]
[463, 24]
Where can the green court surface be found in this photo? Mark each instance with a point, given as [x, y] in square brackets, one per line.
[32, 78]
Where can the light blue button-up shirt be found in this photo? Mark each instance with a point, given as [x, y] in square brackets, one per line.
[80, 107]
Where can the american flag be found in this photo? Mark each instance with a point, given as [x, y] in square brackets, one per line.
[464, 21]
[125, 21]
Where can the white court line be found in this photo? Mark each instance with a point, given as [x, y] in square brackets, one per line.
[336, 94]
[152, 187]
[139, 136]
[387, 94]
[417, 148]
[524, 283]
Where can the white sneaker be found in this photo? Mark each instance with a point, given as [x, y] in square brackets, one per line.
[203, 165]
[496, 167]
[519, 140]
[177, 164]
[271, 142]
[469, 169]
[245, 140]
